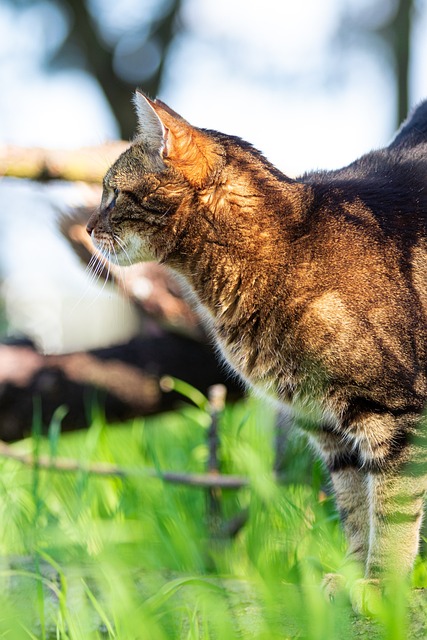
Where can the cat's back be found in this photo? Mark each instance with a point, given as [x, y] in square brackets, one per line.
[389, 184]
[413, 131]
[367, 241]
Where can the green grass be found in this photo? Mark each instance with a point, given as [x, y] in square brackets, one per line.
[87, 557]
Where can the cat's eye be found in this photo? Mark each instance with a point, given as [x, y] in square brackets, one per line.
[109, 197]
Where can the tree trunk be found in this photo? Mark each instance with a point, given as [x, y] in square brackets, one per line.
[402, 41]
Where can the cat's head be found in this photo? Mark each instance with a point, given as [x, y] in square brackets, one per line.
[147, 192]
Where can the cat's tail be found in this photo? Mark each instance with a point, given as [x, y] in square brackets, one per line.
[413, 131]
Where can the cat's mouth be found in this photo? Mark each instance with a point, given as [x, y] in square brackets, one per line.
[123, 251]
[112, 248]
[106, 242]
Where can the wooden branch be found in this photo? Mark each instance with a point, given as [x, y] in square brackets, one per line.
[125, 380]
[67, 465]
[87, 164]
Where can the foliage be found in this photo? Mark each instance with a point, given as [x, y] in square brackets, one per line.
[87, 557]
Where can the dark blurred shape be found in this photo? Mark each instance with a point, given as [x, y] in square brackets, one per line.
[399, 38]
[121, 54]
[385, 26]
[124, 380]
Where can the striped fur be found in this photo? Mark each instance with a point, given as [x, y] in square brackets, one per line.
[315, 291]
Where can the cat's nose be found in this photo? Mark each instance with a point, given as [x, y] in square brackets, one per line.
[92, 223]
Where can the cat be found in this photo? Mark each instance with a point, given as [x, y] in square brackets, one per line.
[315, 291]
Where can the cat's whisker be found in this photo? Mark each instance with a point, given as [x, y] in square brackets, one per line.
[166, 213]
[97, 270]
[93, 271]
[101, 266]
[92, 268]
[123, 281]
[90, 264]
[122, 246]
[119, 269]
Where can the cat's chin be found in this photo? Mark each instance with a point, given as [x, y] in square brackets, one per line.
[124, 252]
[131, 251]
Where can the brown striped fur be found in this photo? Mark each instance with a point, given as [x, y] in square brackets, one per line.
[315, 290]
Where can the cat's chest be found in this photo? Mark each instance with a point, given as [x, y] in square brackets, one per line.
[275, 376]
[261, 343]
[264, 362]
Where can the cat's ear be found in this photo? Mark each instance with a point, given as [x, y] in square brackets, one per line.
[152, 133]
[192, 151]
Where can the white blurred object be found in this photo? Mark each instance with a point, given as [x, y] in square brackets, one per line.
[48, 296]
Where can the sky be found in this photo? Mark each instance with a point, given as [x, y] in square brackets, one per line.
[270, 72]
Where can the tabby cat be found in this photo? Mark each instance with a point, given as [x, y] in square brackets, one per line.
[315, 291]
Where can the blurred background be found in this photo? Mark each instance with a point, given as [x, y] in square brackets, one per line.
[312, 84]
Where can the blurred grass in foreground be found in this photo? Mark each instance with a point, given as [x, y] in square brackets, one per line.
[86, 557]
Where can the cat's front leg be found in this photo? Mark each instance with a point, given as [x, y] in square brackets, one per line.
[396, 489]
[351, 494]
[349, 482]
[396, 512]
[396, 500]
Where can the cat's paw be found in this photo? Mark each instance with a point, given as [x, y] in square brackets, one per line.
[366, 597]
[333, 586]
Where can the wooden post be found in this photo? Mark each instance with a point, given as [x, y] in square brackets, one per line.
[216, 396]
[282, 428]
